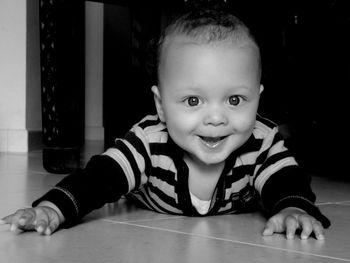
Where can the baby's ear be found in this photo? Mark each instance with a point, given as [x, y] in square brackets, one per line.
[261, 88]
[158, 103]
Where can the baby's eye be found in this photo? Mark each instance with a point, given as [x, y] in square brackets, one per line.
[192, 101]
[234, 100]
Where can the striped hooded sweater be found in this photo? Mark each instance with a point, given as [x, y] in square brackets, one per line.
[148, 167]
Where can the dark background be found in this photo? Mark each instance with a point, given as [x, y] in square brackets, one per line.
[305, 55]
[305, 58]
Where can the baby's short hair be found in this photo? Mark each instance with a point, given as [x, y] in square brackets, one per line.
[207, 25]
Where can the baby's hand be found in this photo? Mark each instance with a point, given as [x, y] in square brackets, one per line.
[43, 219]
[289, 220]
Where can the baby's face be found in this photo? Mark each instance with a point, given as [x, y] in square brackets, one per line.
[208, 97]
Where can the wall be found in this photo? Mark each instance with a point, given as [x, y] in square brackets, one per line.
[20, 92]
[13, 133]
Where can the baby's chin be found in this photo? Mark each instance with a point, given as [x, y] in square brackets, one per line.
[212, 159]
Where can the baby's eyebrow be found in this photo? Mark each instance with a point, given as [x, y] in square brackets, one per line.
[236, 89]
[240, 86]
[193, 88]
[188, 89]
[244, 87]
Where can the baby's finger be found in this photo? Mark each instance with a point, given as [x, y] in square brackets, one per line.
[318, 230]
[13, 220]
[270, 228]
[15, 229]
[53, 225]
[291, 226]
[10, 220]
[6, 219]
[26, 220]
[41, 226]
[306, 225]
[50, 229]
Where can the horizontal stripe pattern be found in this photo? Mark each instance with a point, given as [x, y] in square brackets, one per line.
[152, 167]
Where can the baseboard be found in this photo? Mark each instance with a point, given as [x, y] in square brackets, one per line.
[35, 140]
[13, 140]
[20, 140]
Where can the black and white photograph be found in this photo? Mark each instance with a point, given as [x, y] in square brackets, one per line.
[174, 131]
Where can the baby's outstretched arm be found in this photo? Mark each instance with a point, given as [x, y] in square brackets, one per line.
[45, 219]
[289, 220]
[101, 181]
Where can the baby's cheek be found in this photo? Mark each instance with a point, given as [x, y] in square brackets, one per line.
[186, 122]
[244, 124]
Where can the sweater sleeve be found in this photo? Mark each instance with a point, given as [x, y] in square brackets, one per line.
[101, 181]
[290, 187]
[280, 181]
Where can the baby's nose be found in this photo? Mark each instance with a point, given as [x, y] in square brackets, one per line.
[215, 117]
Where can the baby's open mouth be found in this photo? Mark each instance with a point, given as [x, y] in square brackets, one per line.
[212, 142]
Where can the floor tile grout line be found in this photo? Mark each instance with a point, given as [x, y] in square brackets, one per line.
[346, 202]
[227, 240]
[144, 220]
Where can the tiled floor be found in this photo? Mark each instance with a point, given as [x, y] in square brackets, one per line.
[123, 233]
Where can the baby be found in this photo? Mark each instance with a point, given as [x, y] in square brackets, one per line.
[206, 152]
